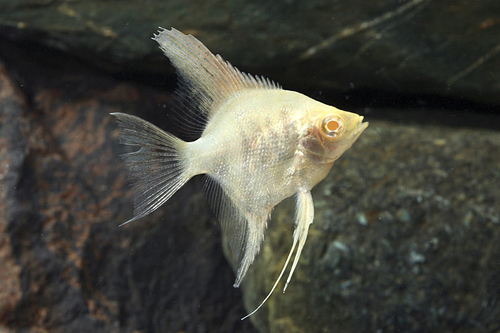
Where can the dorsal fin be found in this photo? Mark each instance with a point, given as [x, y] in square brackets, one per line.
[206, 81]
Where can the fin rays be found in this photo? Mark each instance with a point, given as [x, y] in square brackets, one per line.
[303, 218]
[244, 232]
[156, 170]
[233, 223]
[206, 80]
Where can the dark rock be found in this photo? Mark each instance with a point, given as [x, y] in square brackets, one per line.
[444, 48]
[406, 238]
[407, 225]
[12, 156]
[66, 265]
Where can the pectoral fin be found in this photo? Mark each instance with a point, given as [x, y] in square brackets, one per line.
[304, 215]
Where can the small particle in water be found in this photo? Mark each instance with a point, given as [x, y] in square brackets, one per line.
[362, 219]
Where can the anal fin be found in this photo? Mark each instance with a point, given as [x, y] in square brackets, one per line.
[244, 232]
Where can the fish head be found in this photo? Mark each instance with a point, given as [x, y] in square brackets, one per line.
[329, 132]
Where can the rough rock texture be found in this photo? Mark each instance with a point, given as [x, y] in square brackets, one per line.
[65, 264]
[406, 238]
[406, 234]
[445, 47]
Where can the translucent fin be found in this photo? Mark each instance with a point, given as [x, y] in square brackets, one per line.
[304, 216]
[254, 237]
[244, 232]
[233, 223]
[157, 169]
[206, 81]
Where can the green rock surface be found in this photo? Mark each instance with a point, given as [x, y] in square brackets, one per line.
[406, 238]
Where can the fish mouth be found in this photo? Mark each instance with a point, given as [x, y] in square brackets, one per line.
[360, 127]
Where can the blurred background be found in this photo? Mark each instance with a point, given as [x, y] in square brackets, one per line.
[406, 235]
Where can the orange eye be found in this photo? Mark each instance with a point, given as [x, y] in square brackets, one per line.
[332, 126]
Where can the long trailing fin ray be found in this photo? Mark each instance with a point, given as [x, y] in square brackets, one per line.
[304, 216]
[275, 283]
[206, 79]
[157, 169]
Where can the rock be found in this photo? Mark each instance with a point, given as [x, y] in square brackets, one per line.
[406, 232]
[414, 47]
[66, 265]
[406, 238]
[12, 157]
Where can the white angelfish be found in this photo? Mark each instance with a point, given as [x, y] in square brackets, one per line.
[259, 144]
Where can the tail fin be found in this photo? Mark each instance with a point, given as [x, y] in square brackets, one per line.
[157, 170]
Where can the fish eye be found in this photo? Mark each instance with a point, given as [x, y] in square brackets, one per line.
[332, 126]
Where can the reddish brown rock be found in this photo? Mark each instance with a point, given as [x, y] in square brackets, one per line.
[66, 265]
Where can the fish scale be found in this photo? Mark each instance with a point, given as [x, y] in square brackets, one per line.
[259, 145]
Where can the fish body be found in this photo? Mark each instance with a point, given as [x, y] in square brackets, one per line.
[259, 144]
[246, 139]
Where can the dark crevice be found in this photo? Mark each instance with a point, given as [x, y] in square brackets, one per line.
[32, 63]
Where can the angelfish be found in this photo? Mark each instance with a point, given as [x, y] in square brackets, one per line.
[259, 144]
